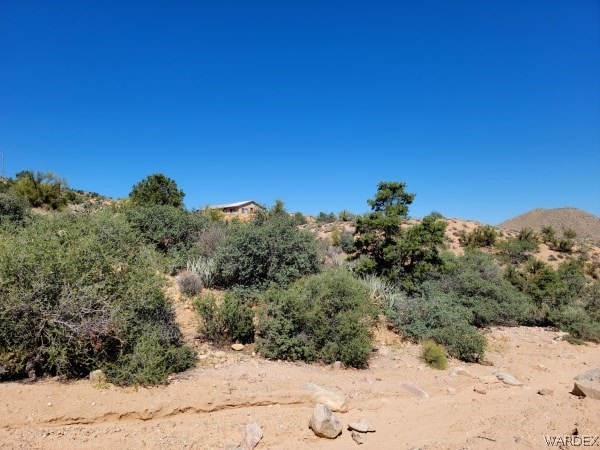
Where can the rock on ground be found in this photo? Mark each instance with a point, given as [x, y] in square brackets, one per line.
[507, 378]
[588, 384]
[334, 399]
[252, 435]
[324, 423]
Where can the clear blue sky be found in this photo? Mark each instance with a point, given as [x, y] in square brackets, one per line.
[486, 109]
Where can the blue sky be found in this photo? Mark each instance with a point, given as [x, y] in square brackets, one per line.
[486, 109]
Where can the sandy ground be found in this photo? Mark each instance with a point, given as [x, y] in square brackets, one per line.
[206, 407]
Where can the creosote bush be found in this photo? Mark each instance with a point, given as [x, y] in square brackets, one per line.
[434, 355]
[325, 317]
[232, 320]
[81, 293]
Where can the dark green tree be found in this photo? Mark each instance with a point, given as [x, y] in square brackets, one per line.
[386, 248]
[157, 189]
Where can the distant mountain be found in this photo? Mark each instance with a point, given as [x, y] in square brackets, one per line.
[586, 225]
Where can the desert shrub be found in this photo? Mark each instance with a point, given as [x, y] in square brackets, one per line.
[213, 325]
[462, 341]
[172, 231]
[239, 319]
[331, 256]
[482, 236]
[346, 216]
[81, 293]
[207, 238]
[40, 189]
[563, 245]
[14, 210]
[569, 233]
[548, 234]
[434, 355]
[267, 250]
[232, 320]
[299, 219]
[479, 284]
[347, 243]
[189, 283]
[438, 316]
[335, 236]
[325, 317]
[324, 217]
[515, 250]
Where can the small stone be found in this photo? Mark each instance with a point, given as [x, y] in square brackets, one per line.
[545, 392]
[480, 391]
[358, 426]
[507, 378]
[451, 391]
[237, 347]
[49, 403]
[220, 354]
[336, 365]
[366, 422]
[358, 438]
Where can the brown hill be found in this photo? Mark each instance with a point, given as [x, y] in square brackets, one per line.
[586, 225]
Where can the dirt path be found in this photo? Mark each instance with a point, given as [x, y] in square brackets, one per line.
[207, 406]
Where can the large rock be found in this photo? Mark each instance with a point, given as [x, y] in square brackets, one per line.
[334, 399]
[324, 423]
[588, 384]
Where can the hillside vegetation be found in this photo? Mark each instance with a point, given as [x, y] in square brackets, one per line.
[84, 288]
[586, 225]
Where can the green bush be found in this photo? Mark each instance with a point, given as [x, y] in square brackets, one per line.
[231, 321]
[81, 293]
[480, 286]
[267, 250]
[482, 236]
[325, 317]
[13, 209]
[462, 341]
[515, 250]
[434, 355]
[347, 243]
[40, 189]
[157, 189]
[172, 231]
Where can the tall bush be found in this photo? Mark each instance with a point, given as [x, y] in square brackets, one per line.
[267, 250]
[324, 317]
[81, 293]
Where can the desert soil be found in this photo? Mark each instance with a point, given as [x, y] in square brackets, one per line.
[206, 407]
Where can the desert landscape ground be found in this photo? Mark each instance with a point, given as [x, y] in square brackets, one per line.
[207, 407]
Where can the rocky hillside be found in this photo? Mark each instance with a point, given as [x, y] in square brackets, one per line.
[586, 225]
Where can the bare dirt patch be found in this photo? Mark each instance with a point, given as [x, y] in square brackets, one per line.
[206, 407]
